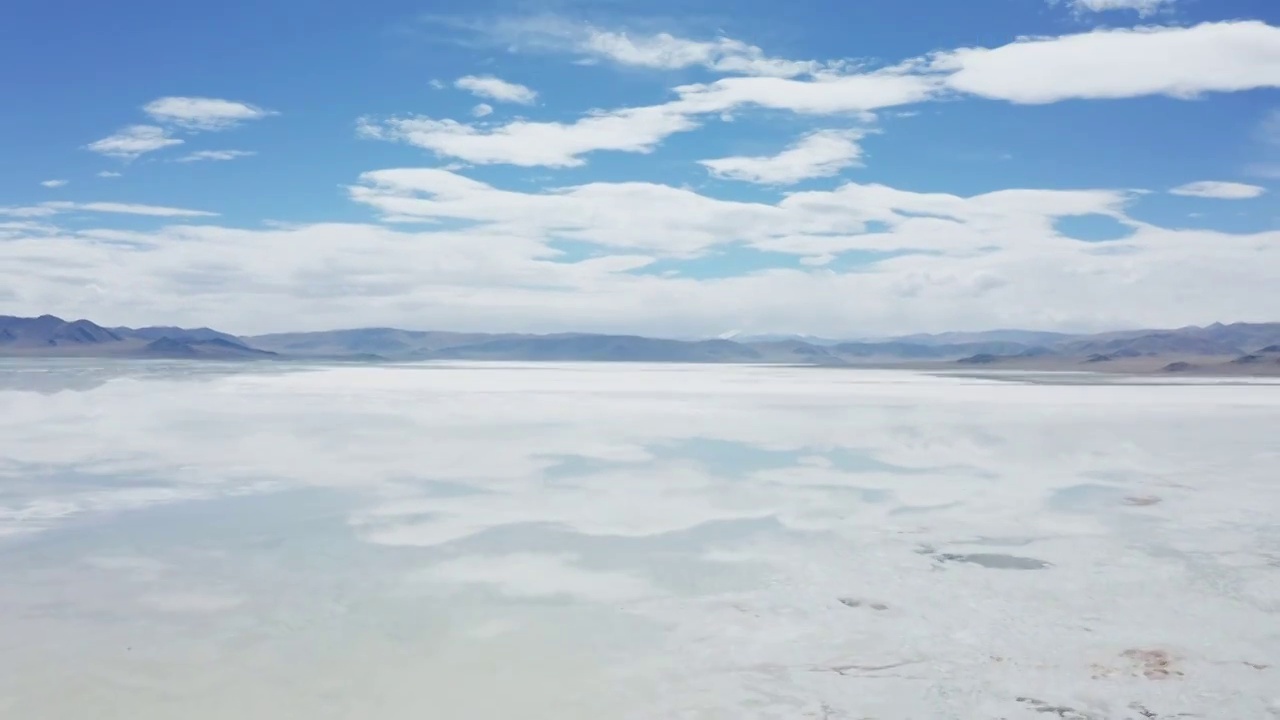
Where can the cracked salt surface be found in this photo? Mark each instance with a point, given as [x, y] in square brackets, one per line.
[630, 541]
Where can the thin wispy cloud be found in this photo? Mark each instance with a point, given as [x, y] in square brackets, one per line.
[215, 155]
[47, 209]
[134, 141]
[1268, 131]
[1219, 190]
[652, 50]
[530, 144]
[1143, 8]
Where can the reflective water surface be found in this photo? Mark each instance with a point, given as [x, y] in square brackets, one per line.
[194, 541]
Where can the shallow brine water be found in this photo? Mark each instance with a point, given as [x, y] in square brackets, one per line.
[194, 541]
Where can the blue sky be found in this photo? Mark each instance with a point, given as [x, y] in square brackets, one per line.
[687, 168]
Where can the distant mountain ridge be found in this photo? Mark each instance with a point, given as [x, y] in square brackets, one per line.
[176, 333]
[48, 335]
[1249, 344]
[51, 331]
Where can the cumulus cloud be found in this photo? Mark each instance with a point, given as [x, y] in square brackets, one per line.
[202, 113]
[54, 184]
[134, 141]
[216, 155]
[984, 261]
[487, 86]
[482, 110]
[818, 154]
[474, 255]
[109, 174]
[677, 221]
[1219, 190]
[1182, 62]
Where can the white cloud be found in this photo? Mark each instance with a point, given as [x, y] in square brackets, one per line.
[201, 113]
[1105, 63]
[640, 129]
[819, 154]
[482, 110]
[134, 141]
[668, 52]
[25, 228]
[1181, 62]
[990, 260]
[1219, 190]
[53, 184]
[527, 143]
[216, 155]
[674, 221]
[109, 174]
[496, 89]
[662, 51]
[1175, 61]
[1142, 7]
[57, 207]
[619, 215]
[138, 209]
[471, 255]
[825, 95]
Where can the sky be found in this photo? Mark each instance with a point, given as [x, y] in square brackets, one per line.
[680, 169]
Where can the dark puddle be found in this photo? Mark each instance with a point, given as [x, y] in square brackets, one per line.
[995, 561]
[856, 603]
[1142, 500]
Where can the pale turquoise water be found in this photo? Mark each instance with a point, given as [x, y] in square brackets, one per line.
[631, 541]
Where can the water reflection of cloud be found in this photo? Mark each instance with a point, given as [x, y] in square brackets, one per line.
[712, 515]
[531, 575]
[501, 430]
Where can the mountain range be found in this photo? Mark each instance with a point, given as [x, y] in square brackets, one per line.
[1240, 346]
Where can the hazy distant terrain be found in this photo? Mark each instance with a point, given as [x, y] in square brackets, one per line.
[1240, 348]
